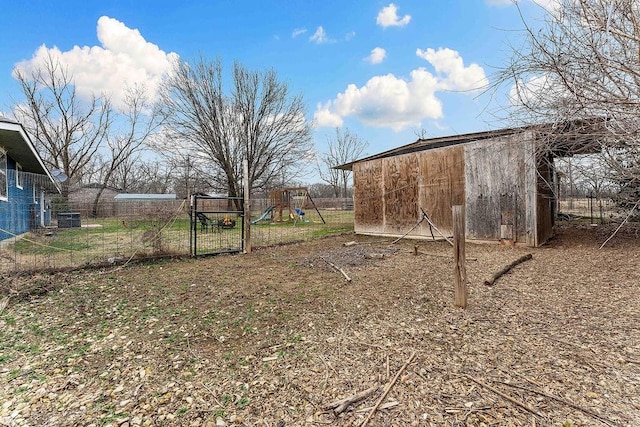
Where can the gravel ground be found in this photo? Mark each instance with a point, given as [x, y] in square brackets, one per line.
[274, 337]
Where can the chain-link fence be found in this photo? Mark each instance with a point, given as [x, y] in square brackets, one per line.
[76, 233]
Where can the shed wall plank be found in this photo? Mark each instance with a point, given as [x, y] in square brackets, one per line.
[442, 173]
[368, 210]
[495, 189]
[401, 184]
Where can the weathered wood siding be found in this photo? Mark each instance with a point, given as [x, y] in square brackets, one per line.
[368, 196]
[389, 192]
[496, 190]
[497, 179]
[443, 180]
[545, 201]
[401, 186]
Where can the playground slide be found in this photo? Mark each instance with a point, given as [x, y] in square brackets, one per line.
[265, 214]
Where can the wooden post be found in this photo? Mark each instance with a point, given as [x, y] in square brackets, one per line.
[247, 207]
[459, 267]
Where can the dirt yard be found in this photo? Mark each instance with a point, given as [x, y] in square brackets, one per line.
[274, 337]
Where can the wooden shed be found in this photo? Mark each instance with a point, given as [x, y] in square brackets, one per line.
[501, 177]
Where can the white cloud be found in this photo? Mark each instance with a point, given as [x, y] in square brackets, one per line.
[455, 76]
[123, 60]
[298, 32]
[325, 117]
[550, 5]
[377, 55]
[388, 17]
[397, 103]
[538, 90]
[350, 35]
[385, 101]
[500, 2]
[319, 37]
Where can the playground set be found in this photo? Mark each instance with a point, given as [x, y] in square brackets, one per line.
[293, 200]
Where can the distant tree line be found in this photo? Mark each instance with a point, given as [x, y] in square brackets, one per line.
[193, 139]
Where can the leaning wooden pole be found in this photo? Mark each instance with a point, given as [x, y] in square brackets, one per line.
[247, 207]
[459, 267]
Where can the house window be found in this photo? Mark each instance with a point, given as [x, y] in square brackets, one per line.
[18, 176]
[4, 191]
[35, 194]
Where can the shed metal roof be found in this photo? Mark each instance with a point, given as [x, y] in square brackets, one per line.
[563, 146]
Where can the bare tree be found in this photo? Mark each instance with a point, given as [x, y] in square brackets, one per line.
[257, 120]
[344, 147]
[67, 132]
[126, 138]
[82, 138]
[580, 73]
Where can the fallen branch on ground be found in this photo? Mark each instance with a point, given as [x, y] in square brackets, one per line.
[335, 267]
[374, 256]
[505, 396]
[621, 224]
[506, 269]
[383, 406]
[564, 402]
[387, 390]
[341, 405]
[417, 252]
[3, 304]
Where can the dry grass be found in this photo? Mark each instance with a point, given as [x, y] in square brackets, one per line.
[269, 338]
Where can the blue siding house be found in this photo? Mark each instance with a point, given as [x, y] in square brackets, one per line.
[24, 183]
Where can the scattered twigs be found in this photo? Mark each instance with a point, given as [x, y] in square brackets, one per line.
[3, 304]
[387, 389]
[506, 396]
[383, 406]
[351, 243]
[388, 373]
[410, 230]
[434, 227]
[621, 224]
[564, 402]
[203, 384]
[506, 269]
[374, 255]
[335, 267]
[341, 405]
[417, 252]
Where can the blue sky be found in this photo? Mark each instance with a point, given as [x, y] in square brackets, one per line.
[383, 69]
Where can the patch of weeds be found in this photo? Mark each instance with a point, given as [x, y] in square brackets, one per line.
[35, 376]
[5, 358]
[81, 350]
[327, 231]
[210, 318]
[11, 321]
[226, 399]
[28, 348]
[243, 402]
[13, 374]
[182, 411]
[296, 338]
[35, 329]
[22, 389]
[219, 413]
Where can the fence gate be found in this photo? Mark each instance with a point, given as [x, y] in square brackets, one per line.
[217, 225]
